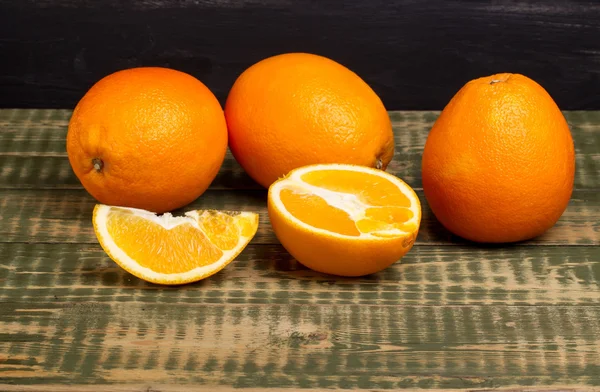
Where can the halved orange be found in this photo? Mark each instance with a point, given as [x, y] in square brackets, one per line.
[342, 219]
[167, 249]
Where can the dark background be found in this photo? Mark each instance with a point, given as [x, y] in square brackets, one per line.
[414, 53]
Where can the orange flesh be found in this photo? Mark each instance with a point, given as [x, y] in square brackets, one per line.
[221, 230]
[224, 229]
[369, 188]
[386, 218]
[314, 210]
[178, 250]
[387, 207]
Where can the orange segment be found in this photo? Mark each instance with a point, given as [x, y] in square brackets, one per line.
[370, 189]
[172, 250]
[178, 250]
[248, 224]
[314, 210]
[389, 214]
[344, 219]
[386, 219]
[220, 228]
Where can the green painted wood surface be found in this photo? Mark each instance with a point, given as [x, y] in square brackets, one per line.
[32, 150]
[61, 215]
[452, 315]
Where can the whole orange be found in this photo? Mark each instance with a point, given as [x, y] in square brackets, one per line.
[499, 162]
[149, 137]
[296, 109]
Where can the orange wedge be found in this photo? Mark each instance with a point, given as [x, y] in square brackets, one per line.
[170, 249]
[344, 219]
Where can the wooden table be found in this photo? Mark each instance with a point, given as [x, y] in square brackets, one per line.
[452, 315]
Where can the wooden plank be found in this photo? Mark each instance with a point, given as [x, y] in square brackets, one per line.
[65, 216]
[32, 150]
[33, 153]
[53, 64]
[151, 387]
[53, 171]
[49, 274]
[314, 346]
[446, 317]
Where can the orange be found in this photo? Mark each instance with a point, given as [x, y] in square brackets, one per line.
[170, 249]
[151, 138]
[296, 109]
[342, 219]
[498, 164]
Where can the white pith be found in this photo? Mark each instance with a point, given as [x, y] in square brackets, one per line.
[349, 203]
[168, 222]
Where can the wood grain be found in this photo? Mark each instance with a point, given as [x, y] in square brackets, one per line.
[415, 54]
[33, 154]
[267, 274]
[450, 316]
[344, 346]
[64, 216]
[152, 387]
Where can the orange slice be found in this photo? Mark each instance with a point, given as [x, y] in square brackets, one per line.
[344, 219]
[169, 249]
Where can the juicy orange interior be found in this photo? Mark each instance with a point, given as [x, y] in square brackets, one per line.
[385, 218]
[369, 188]
[221, 229]
[224, 228]
[384, 208]
[315, 211]
[177, 250]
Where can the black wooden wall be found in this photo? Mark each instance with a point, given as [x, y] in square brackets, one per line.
[415, 53]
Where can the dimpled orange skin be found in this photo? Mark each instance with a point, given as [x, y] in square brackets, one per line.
[160, 135]
[499, 163]
[296, 109]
